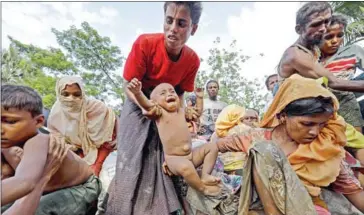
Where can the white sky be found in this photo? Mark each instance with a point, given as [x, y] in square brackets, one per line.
[258, 27]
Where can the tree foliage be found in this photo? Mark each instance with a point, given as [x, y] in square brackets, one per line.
[354, 11]
[87, 54]
[224, 66]
[96, 57]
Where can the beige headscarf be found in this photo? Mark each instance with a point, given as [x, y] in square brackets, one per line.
[84, 122]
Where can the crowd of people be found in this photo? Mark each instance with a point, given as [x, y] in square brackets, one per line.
[180, 153]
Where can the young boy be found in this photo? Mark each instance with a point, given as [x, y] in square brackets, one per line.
[176, 138]
[72, 189]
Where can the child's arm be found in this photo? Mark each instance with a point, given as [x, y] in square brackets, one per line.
[29, 170]
[30, 202]
[199, 100]
[135, 87]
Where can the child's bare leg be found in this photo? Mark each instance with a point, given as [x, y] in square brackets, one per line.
[207, 155]
[185, 168]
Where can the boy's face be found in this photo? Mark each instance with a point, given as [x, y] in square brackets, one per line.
[17, 126]
[166, 97]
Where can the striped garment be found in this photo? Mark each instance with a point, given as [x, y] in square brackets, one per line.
[347, 63]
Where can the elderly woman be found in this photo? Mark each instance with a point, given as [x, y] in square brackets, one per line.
[251, 118]
[87, 124]
[139, 185]
[298, 152]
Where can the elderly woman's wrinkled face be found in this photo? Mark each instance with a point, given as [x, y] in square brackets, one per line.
[305, 129]
[72, 91]
[250, 118]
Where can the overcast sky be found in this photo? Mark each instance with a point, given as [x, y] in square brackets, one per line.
[258, 27]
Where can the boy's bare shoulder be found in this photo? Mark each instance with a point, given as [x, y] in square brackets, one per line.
[38, 141]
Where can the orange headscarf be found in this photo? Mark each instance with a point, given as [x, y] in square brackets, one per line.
[317, 164]
[229, 117]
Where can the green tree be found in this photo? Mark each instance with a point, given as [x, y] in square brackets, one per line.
[355, 13]
[38, 68]
[13, 66]
[51, 60]
[224, 66]
[96, 57]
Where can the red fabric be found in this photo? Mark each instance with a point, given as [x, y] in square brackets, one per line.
[148, 61]
[102, 154]
[341, 65]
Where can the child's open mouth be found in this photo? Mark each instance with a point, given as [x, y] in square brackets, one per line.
[171, 99]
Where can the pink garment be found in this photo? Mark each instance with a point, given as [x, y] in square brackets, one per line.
[321, 211]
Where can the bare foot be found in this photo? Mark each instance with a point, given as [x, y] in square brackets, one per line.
[214, 190]
[210, 180]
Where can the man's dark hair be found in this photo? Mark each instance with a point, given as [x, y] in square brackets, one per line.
[212, 81]
[21, 98]
[267, 80]
[309, 106]
[339, 19]
[304, 13]
[195, 8]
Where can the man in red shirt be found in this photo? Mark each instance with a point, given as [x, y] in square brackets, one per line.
[139, 185]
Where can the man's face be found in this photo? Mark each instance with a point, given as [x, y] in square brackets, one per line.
[17, 126]
[177, 26]
[315, 29]
[333, 39]
[271, 82]
[213, 90]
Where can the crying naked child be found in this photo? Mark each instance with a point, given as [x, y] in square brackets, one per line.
[176, 139]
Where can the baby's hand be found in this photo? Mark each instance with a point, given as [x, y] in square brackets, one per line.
[199, 92]
[135, 86]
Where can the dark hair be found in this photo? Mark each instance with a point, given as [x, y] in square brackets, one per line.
[339, 19]
[267, 80]
[195, 8]
[192, 98]
[309, 106]
[21, 98]
[304, 13]
[212, 81]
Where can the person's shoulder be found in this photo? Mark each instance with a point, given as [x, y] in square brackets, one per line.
[355, 48]
[191, 55]
[224, 104]
[150, 38]
[38, 141]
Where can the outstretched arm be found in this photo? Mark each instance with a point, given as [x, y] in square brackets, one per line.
[231, 143]
[135, 87]
[28, 172]
[199, 100]
[29, 203]
[308, 68]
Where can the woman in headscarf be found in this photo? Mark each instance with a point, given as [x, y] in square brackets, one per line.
[87, 124]
[251, 118]
[229, 122]
[297, 152]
